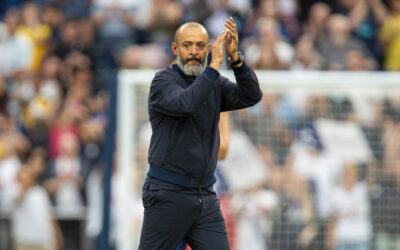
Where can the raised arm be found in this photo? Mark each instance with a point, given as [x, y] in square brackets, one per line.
[247, 91]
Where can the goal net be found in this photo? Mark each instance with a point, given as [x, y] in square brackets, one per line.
[314, 165]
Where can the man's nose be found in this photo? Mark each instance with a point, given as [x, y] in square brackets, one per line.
[194, 50]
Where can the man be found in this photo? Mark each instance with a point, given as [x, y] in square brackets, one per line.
[185, 102]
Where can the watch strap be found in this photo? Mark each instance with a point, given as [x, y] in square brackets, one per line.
[238, 61]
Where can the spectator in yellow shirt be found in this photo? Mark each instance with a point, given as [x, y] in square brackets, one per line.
[390, 36]
[35, 32]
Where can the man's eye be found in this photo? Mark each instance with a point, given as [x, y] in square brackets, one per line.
[201, 46]
[186, 46]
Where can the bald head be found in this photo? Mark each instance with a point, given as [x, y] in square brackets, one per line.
[190, 29]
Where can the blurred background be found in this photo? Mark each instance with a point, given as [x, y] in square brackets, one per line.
[306, 170]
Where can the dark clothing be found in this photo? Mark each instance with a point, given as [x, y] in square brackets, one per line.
[184, 114]
[178, 196]
[171, 216]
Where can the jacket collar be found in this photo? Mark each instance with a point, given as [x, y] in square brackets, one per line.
[187, 78]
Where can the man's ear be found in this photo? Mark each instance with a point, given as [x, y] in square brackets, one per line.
[208, 48]
[174, 48]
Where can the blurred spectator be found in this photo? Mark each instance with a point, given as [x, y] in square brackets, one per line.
[165, 17]
[390, 36]
[76, 66]
[12, 146]
[293, 228]
[339, 42]
[385, 209]
[143, 57]
[307, 58]
[268, 59]
[40, 111]
[242, 8]
[116, 21]
[194, 10]
[76, 36]
[281, 11]
[37, 161]
[253, 210]
[288, 16]
[219, 13]
[15, 50]
[64, 123]
[92, 130]
[53, 16]
[270, 42]
[33, 226]
[315, 25]
[316, 106]
[321, 170]
[65, 177]
[351, 223]
[366, 17]
[36, 33]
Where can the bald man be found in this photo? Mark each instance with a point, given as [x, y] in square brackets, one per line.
[185, 102]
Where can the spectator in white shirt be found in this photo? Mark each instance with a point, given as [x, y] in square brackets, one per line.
[15, 50]
[351, 223]
[33, 227]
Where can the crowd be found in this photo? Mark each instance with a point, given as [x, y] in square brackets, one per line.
[56, 59]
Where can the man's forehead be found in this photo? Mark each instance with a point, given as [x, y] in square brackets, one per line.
[193, 32]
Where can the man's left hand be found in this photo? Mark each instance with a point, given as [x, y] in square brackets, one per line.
[232, 41]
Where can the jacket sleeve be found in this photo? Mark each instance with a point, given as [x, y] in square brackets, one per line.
[245, 93]
[168, 97]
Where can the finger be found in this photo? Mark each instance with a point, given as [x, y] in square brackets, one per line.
[231, 22]
[230, 27]
[220, 38]
[222, 35]
[232, 35]
[231, 30]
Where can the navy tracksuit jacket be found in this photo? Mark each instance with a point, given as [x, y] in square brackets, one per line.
[184, 114]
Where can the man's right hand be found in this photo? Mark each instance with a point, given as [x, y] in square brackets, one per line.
[217, 51]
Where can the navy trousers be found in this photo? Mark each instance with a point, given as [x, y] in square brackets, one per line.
[172, 215]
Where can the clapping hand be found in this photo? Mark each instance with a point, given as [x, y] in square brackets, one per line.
[217, 50]
[232, 41]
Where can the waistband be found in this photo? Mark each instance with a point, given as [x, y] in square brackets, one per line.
[175, 178]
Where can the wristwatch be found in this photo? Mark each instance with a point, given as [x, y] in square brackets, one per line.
[238, 61]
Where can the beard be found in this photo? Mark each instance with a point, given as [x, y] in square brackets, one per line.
[191, 70]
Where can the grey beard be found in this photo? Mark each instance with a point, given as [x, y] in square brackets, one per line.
[191, 70]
